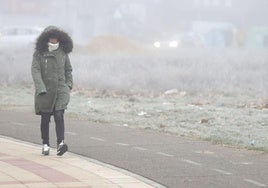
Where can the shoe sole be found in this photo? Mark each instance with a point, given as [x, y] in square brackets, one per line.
[62, 150]
[45, 152]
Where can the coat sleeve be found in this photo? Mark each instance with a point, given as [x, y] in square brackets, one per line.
[36, 75]
[68, 73]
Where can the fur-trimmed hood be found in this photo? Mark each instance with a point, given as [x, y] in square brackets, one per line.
[65, 41]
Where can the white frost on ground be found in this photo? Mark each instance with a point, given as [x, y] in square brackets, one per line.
[233, 120]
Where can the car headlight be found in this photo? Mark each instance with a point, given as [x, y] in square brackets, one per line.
[157, 44]
[173, 44]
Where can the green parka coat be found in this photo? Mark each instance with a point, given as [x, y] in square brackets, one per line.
[52, 71]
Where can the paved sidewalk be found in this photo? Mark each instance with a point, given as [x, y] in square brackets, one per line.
[22, 165]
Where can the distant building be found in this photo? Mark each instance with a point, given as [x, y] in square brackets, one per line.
[137, 19]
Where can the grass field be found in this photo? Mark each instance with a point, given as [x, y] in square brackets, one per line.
[215, 95]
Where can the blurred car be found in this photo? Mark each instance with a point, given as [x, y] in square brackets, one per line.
[19, 35]
[187, 39]
[166, 44]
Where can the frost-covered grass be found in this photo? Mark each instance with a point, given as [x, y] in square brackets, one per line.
[195, 70]
[217, 95]
[237, 120]
[186, 70]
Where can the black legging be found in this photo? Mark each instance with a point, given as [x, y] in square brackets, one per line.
[59, 121]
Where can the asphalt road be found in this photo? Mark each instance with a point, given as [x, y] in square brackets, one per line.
[169, 160]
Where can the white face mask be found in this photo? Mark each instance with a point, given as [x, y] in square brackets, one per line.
[52, 47]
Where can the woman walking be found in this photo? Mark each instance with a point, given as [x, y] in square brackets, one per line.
[52, 76]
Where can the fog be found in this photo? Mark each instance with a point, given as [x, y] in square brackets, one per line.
[147, 45]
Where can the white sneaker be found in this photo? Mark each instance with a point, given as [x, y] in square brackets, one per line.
[45, 149]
